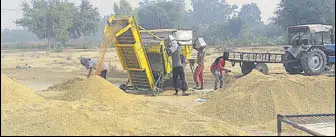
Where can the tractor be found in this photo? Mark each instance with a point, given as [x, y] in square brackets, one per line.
[311, 49]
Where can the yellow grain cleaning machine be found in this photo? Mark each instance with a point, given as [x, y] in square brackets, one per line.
[142, 53]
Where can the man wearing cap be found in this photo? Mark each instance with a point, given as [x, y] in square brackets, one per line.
[174, 50]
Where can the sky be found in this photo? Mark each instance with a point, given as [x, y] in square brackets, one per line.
[11, 9]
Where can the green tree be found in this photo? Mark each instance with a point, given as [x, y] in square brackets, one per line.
[124, 8]
[61, 13]
[208, 12]
[116, 8]
[86, 20]
[47, 19]
[250, 13]
[56, 20]
[36, 19]
[161, 14]
[291, 12]
[224, 31]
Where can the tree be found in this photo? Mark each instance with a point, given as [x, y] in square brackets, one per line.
[58, 20]
[224, 31]
[47, 19]
[208, 12]
[161, 14]
[250, 13]
[35, 19]
[124, 8]
[86, 20]
[290, 12]
[116, 8]
[61, 19]
[234, 27]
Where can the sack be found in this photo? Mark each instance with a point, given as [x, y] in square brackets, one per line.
[199, 43]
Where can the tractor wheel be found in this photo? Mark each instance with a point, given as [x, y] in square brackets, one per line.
[247, 67]
[313, 62]
[292, 67]
[262, 67]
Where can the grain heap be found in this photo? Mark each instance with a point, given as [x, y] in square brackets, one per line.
[13, 92]
[94, 89]
[256, 98]
[86, 108]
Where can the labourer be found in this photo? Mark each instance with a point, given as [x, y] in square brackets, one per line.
[193, 59]
[174, 50]
[217, 68]
[91, 64]
[199, 45]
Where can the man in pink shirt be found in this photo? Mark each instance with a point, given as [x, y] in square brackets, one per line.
[217, 68]
[198, 73]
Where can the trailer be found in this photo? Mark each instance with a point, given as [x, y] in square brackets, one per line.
[252, 60]
[310, 49]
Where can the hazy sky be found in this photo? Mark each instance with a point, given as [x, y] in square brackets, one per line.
[11, 9]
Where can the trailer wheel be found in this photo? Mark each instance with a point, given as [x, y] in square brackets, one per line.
[292, 65]
[247, 67]
[313, 62]
[262, 67]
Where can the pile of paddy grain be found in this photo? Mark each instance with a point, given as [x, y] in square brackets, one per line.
[13, 92]
[255, 99]
[94, 88]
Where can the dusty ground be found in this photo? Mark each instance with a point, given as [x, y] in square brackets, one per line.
[50, 68]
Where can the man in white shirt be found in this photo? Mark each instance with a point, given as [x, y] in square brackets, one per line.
[91, 64]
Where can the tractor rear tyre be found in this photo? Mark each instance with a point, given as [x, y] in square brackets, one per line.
[247, 67]
[313, 62]
[262, 67]
[292, 65]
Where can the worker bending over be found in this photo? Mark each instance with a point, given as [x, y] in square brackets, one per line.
[217, 68]
[91, 64]
[174, 50]
[199, 45]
